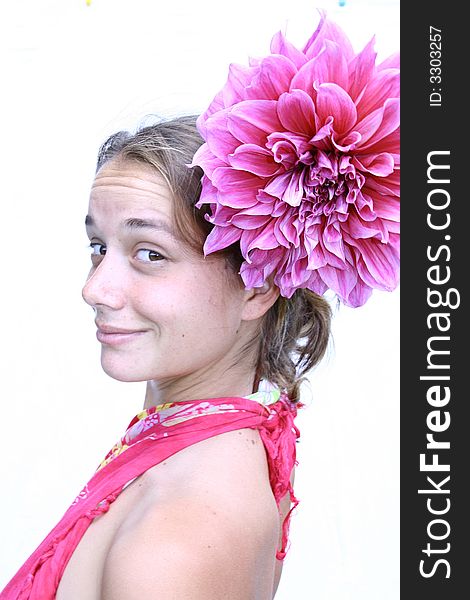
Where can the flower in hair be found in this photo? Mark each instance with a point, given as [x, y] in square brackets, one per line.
[300, 162]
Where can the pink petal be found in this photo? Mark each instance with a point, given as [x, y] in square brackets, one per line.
[252, 120]
[227, 179]
[316, 257]
[314, 37]
[273, 78]
[277, 186]
[206, 160]
[249, 221]
[218, 138]
[263, 240]
[364, 206]
[387, 207]
[286, 142]
[385, 85]
[268, 260]
[299, 273]
[390, 144]
[288, 187]
[252, 276]
[377, 164]
[237, 189]
[330, 66]
[377, 264]
[359, 229]
[261, 208]
[208, 193]
[216, 105]
[254, 159]
[220, 238]
[283, 152]
[243, 198]
[304, 79]
[239, 79]
[341, 281]
[221, 215]
[296, 112]
[316, 284]
[332, 258]
[345, 143]
[369, 125]
[323, 132]
[333, 240]
[328, 30]
[389, 186]
[389, 124]
[335, 102]
[279, 45]
[285, 230]
[359, 295]
[361, 69]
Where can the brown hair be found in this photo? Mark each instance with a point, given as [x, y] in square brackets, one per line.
[295, 331]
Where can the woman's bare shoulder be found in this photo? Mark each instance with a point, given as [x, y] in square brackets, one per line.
[212, 531]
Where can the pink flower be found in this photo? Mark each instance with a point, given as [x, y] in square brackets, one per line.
[301, 167]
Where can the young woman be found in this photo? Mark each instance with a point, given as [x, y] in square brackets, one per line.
[209, 261]
[206, 520]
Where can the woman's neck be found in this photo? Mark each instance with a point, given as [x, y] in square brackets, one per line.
[230, 384]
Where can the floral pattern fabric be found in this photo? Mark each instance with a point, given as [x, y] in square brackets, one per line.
[172, 413]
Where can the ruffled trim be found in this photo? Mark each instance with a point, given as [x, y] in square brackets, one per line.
[278, 440]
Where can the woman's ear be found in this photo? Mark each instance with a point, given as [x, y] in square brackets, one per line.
[259, 300]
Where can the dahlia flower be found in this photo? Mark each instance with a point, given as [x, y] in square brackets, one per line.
[300, 162]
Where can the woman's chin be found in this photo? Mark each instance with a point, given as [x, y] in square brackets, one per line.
[124, 372]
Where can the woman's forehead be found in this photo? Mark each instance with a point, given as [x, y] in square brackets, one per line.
[123, 186]
[135, 176]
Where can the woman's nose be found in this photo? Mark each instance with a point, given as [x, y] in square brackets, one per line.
[105, 285]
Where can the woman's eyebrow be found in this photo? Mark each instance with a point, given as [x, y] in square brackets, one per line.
[156, 224]
[136, 223]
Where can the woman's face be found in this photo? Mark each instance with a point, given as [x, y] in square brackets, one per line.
[162, 311]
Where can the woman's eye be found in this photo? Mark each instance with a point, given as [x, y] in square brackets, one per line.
[146, 255]
[97, 249]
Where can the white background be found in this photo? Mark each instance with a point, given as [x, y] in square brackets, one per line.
[72, 74]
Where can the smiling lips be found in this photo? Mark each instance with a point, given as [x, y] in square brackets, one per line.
[114, 336]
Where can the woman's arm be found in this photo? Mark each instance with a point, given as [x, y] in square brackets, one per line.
[194, 551]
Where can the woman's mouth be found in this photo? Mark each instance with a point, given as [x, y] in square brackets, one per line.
[115, 336]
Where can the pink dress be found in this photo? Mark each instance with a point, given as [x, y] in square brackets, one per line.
[151, 437]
